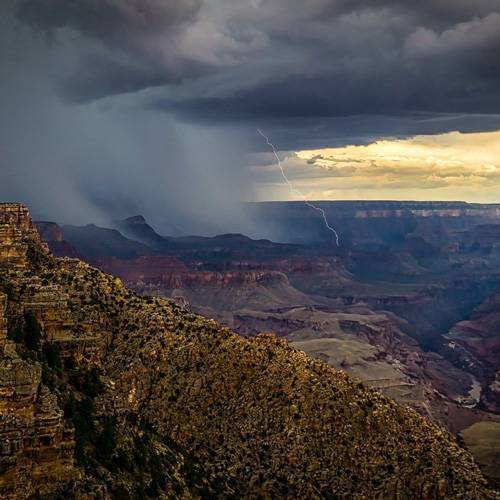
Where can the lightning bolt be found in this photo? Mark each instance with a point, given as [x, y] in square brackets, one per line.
[295, 191]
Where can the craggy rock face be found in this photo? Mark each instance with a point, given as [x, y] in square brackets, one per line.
[49, 231]
[107, 394]
[37, 444]
[16, 229]
[17, 216]
[52, 234]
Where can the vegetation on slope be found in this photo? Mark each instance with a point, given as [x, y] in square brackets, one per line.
[178, 406]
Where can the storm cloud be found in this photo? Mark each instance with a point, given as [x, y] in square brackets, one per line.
[120, 46]
[227, 59]
[112, 107]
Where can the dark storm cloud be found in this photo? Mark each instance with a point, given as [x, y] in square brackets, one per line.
[120, 22]
[101, 160]
[227, 59]
[385, 61]
[124, 45]
[105, 76]
[116, 106]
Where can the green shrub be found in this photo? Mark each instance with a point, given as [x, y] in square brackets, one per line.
[52, 356]
[32, 334]
[88, 382]
[16, 332]
[106, 441]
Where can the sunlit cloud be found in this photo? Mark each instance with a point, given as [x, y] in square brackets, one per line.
[448, 166]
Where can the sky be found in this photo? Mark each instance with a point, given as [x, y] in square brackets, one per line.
[110, 108]
[448, 166]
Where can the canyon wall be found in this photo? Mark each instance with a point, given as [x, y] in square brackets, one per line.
[36, 445]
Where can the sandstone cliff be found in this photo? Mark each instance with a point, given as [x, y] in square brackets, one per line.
[52, 234]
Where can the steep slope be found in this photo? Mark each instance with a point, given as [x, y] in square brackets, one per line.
[52, 234]
[94, 241]
[476, 343]
[165, 403]
[138, 229]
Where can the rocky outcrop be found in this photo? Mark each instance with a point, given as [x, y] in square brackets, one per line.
[82, 340]
[16, 216]
[93, 241]
[138, 229]
[52, 234]
[16, 230]
[49, 231]
[36, 445]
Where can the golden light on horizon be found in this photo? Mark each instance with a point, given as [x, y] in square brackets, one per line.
[451, 166]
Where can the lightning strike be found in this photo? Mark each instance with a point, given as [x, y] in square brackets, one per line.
[295, 191]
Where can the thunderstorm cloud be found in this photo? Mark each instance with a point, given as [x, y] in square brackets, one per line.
[112, 107]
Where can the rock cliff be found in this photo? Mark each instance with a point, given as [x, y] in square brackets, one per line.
[16, 231]
[52, 234]
[36, 444]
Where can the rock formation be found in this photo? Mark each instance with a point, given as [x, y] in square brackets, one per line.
[16, 230]
[52, 234]
[36, 445]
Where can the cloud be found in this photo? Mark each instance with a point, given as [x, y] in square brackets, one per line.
[117, 46]
[109, 158]
[437, 167]
[124, 23]
[477, 33]
[111, 107]
[358, 58]
[235, 59]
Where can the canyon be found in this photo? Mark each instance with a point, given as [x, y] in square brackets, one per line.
[408, 303]
[108, 394]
